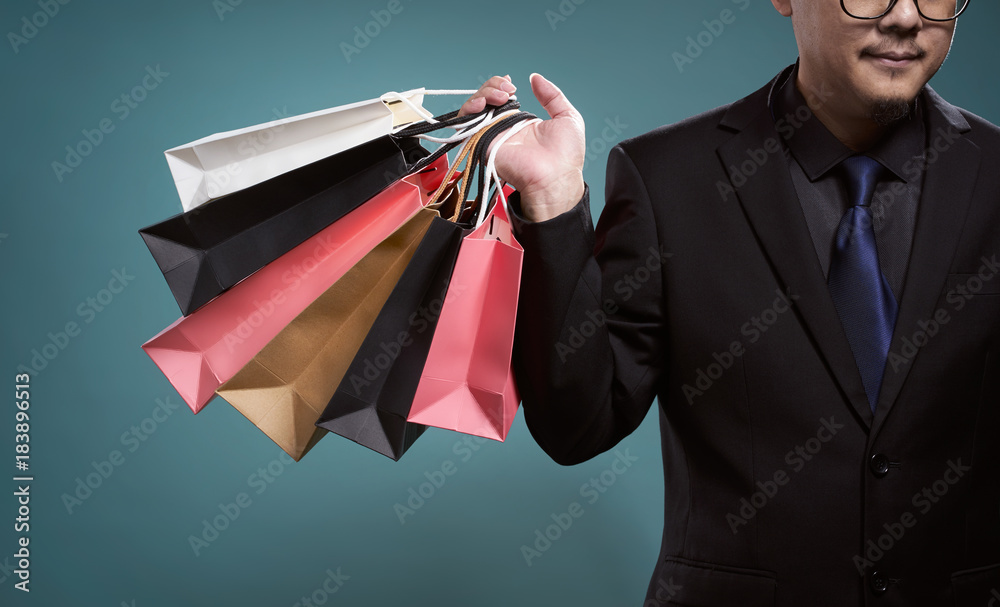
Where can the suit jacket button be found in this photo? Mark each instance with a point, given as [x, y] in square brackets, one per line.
[879, 465]
[879, 582]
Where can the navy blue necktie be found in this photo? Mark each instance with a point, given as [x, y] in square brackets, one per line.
[860, 292]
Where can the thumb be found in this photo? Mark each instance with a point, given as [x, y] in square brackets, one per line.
[551, 98]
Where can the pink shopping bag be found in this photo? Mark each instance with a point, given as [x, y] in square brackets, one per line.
[200, 352]
[467, 383]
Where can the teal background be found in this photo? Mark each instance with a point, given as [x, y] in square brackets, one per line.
[128, 543]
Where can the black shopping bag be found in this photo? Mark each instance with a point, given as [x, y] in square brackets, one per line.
[373, 399]
[209, 249]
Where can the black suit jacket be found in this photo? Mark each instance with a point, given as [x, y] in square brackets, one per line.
[701, 287]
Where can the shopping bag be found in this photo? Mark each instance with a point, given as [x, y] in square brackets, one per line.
[467, 382]
[393, 353]
[284, 394]
[205, 251]
[372, 402]
[228, 162]
[285, 387]
[373, 398]
[199, 352]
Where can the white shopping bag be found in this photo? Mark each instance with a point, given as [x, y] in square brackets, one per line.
[228, 162]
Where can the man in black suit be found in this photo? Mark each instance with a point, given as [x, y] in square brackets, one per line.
[808, 281]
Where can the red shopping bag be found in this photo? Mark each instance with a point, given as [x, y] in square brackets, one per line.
[467, 384]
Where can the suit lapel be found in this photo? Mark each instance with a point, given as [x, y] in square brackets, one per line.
[944, 201]
[772, 207]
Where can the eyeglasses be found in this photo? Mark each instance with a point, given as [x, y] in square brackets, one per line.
[932, 10]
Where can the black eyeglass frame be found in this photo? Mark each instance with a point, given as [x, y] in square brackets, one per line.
[892, 5]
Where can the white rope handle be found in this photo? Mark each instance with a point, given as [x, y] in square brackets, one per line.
[473, 127]
[491, 169]
[475, 123]
[462, 129]
[450, 91]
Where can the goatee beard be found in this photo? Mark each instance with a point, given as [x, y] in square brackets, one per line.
[887, 112]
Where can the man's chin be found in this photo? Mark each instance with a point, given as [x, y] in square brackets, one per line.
[887, 111]
[892, 99]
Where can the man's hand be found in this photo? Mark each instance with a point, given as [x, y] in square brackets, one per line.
[544, 161]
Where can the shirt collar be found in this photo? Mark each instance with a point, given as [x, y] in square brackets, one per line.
[818, 151]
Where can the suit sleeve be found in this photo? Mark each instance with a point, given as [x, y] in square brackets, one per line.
[589, 339]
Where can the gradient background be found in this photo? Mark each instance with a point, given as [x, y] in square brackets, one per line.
[60, 240]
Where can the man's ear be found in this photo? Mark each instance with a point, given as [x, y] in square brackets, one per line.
[783, 6]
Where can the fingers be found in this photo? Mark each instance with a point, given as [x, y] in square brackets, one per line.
[472, 106]
[551, 98]
[495, 91]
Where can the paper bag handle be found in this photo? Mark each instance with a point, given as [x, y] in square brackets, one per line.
[471, 144]
[466, 126]
[453, 120]
[479, 156]
[491, 169]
